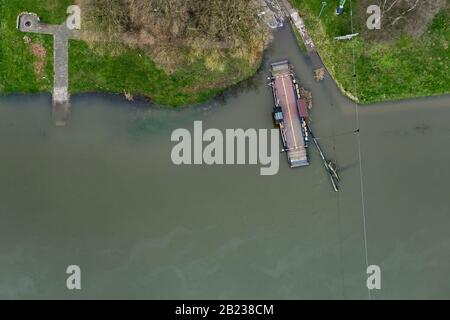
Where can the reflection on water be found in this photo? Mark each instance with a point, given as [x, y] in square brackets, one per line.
[103, 193]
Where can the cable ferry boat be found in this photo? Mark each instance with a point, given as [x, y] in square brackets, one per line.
[290, 113]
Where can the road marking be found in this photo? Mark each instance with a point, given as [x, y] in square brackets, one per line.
[289, 110]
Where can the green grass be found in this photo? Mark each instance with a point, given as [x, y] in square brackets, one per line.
[407, 68]
[337, 56]
[131, 71]
[300, 42]
[16, 61]
[392, 70]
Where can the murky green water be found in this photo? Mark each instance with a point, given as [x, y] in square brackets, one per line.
[103, 193]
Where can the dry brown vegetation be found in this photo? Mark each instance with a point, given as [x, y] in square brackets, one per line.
[39, 52]
[319, 74]
[307, 95]
[175, 32]
[401, 16]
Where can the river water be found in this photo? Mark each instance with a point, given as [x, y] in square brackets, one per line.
[103, 194]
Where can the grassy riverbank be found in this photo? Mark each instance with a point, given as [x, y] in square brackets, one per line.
[399, 61]
[26, 64]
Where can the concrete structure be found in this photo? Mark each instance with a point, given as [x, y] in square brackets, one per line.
[347, 37]
[298, 23]
[30, 22]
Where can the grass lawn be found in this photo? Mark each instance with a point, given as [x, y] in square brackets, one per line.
[386, 70]
[132, 71]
